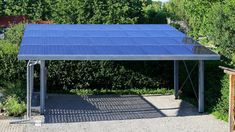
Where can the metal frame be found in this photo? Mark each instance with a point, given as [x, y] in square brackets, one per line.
[30, 85]
[201, 86]
[43, 76]
[176, 79]
[119, 57]
[30, 70]
[200, 96]
[42, 86]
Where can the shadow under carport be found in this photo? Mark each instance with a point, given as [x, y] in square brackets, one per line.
[73, 108]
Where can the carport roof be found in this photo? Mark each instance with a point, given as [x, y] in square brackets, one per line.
[109, 42]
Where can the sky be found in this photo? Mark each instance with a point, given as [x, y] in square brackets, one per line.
[161, 0]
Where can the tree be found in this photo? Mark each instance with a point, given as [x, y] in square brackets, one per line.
[221, 27]
[12, 7]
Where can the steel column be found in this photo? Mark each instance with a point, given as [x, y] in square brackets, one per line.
[176, 78]
[31, 67]
[201, 86]
[42, 86]
[30, 72]
[28, 115]
[46, 73]
[31, 80]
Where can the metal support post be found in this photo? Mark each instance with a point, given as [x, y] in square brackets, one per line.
[201, 86]
[31, 67]
[176, 79]
[28, 112]
[42, 86]
[30, 72]
[46, 73]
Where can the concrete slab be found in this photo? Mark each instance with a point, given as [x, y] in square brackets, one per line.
[169, 106]
[73, 108]
[5, 125]
[121, 114]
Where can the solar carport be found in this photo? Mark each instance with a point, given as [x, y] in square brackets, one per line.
[108, 42]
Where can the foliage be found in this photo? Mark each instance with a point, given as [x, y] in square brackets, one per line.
[14, 34]
[221, 27]
[221, 108]
[12, 7]
[154, 13]
[12, 72]
[13, 106]
[77, 11]
[16, 88]
[1, 7]
[162, 91]
[175, 9]
[11, 68]
[107, 74]
[192, 11]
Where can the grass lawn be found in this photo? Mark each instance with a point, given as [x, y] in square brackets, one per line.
[162, 91]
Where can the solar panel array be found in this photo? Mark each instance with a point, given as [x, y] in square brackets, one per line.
[109, 42]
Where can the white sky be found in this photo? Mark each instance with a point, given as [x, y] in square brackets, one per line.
[161, 0]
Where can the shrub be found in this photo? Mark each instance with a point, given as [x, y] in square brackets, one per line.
[14, 34]
[154, 13]
[11, 68]
[16, 88]
[76, 11]
[13, 106]
[12, 72]
[221, 108]
[221, 28]
[108, 74]
[162, 91]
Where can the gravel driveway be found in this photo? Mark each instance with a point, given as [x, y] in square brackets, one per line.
[127, 113]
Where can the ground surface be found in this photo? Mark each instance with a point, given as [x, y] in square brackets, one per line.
[130, 113]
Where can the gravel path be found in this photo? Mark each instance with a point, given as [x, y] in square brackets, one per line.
[175, 115]
[203, 123]
[6, 127]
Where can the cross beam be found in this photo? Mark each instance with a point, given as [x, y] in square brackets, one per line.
[200, 83]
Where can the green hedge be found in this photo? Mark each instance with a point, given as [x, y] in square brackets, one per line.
[12, 71]
[76, 11]
[11, 68]
[13, 106]
[109, 74]
[220, 110]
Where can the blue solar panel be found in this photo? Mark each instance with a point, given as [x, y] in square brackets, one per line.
[109, 42]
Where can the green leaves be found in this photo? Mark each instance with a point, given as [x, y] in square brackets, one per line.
[11, 68]
[154, 14]
[14, 34]
[76, 11]
[221, 27]
[13, 106]
[12, 7]
[105, 74]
